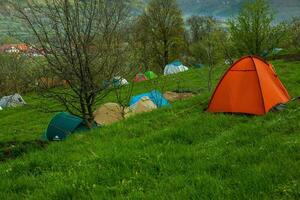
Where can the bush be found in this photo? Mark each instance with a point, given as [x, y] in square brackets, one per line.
[16, 74]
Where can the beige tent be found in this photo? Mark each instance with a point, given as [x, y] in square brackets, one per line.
[143, 105]
[174, 96]
[112, 112]
[108, 113]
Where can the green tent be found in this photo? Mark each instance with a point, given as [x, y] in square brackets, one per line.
[62, 125]
[150, 75]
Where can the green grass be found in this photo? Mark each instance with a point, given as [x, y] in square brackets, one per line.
[172, 153]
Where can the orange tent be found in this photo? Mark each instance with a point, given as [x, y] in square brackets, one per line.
[249, 86]
[140, 78]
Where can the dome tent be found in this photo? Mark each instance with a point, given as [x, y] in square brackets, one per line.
[12, 101]
[250, 86]
[119, 81]
[108, 113]
[199, 65]
[155, 96]
[174, 68]
[62, 125]
[140, 78]
[150, 75]
[145, 104]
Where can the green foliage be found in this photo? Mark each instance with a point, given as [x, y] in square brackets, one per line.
[253, 32]
[200, 27]
[16, 75]
[7, 40]
[206, 40]
[294, 34]
[209, 52]
[161, 30]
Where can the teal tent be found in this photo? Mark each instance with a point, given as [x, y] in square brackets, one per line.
[277, 50]
[199, 65]
[62, 125]
[156, 97]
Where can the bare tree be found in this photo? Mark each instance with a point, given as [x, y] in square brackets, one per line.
[82, 42]
[210, 50]
[123, 94]
[212, 47]
[207, 44]
[122, 89]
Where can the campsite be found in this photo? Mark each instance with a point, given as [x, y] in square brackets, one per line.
[125, 117]
[225, 148]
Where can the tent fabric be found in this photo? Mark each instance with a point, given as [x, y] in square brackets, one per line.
[250, 86]
[106, 84]
[140, 78]
[108, 113]
[12, 101]
[150, 75]
[119, 81]
[155, 96]
[62, 125]
[277, 50]
[199, 65]
[174, 68]
[143, 105]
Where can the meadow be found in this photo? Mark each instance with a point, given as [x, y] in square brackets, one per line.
[181, 152]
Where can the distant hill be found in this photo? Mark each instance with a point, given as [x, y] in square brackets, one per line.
[224, 8]
[285, 9]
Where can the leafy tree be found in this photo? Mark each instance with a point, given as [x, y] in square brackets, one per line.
[163, 24]
[253, 30]
[200, 26]
[141, 46]
[16, 76]
[294, 29]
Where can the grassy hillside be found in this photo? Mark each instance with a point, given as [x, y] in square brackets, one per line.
[173, 153]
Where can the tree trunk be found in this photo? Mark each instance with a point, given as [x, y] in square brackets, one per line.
[89, 119]
[88, 122]
[166, 54]
[209, 84]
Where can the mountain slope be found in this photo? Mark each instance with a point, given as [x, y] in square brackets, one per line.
[285, 9]
[223, 8]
